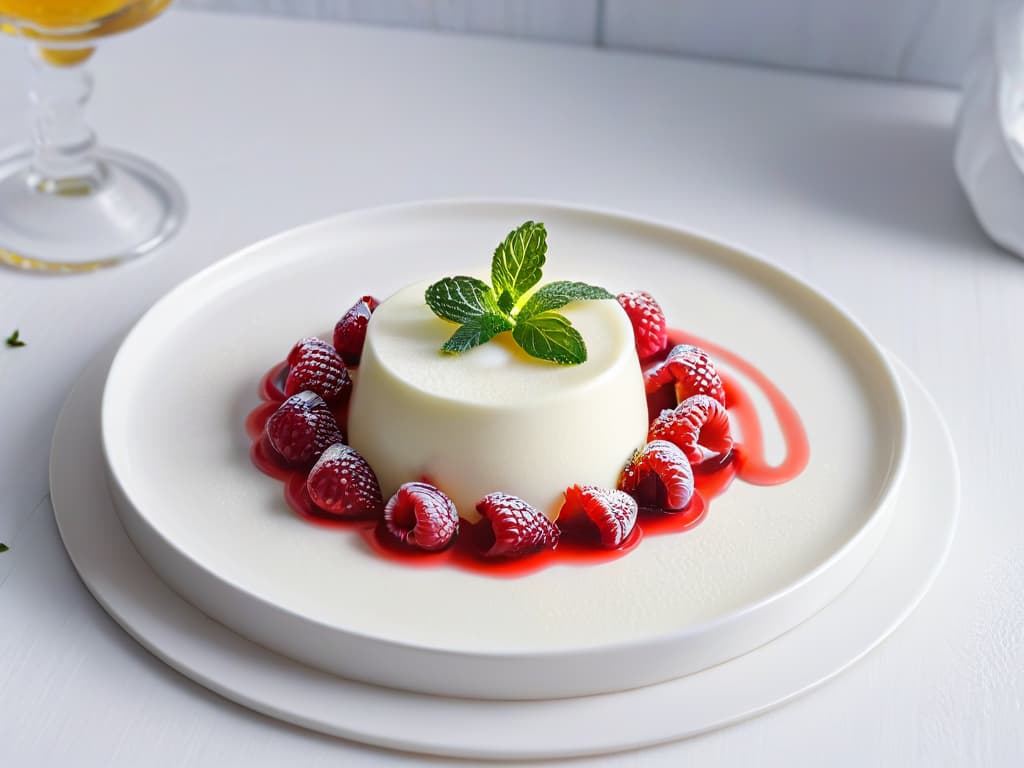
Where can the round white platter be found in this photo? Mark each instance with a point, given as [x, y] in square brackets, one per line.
[861, 617]
[218, 532]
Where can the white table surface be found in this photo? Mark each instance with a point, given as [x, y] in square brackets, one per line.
[269, 124]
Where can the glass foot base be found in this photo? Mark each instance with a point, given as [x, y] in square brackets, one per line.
[133, 208]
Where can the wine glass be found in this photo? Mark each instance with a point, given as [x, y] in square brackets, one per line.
[67, 205]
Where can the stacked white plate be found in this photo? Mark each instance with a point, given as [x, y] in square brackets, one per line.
[778, 589]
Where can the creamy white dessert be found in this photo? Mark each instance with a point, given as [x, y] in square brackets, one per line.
[494, 418]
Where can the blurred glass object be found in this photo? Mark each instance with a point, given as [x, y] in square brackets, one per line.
[66, 204]
[989, 153]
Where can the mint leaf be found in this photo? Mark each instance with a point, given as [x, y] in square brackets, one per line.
[3, 547]
[461, 298]
[14, 340]
[558, 294]
[517, 263]
[550, 336]
[476, 331]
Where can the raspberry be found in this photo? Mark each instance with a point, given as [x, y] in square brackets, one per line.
[302, 428]
[648, 322]
[692, 372]
[698, 423]
[343, 484]
[421, 516]
[659, 476]
[304, 346]
[512, 528]
[590, 510]
[317, 368]
[350, 332]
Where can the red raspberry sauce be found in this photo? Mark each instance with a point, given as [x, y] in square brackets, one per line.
[746, 462]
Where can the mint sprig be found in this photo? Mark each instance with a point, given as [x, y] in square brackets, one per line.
[483, 311]
[14, 340]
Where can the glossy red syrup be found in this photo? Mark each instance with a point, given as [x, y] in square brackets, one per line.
[752, 466]
[746, 462]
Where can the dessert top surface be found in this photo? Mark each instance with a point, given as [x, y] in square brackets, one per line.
[405, 337]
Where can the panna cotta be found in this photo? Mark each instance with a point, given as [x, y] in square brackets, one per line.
[493, 418]
[506, 426]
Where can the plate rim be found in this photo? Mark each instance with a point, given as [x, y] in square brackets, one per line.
[883, 500]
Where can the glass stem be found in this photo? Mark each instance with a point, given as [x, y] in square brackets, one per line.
[63, 161]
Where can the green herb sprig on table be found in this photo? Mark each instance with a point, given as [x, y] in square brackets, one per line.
[14, 340]
[483, 311]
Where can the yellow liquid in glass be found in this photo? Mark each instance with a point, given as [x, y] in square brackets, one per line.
[60, 14]
[73, 22]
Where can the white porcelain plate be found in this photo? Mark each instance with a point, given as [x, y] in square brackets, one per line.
[862, 616]
[218, 532]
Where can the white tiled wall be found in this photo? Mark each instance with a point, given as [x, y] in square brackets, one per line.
[924, 40]
[564, 20]
[927, 40]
